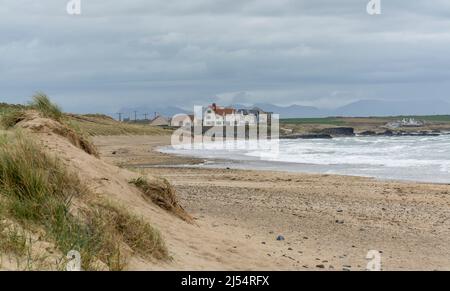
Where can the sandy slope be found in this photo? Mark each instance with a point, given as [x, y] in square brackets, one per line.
[329, 222]
[192, 247]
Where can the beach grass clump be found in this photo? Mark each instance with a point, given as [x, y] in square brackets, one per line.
[101, 125]
[13, 240]
[137, 234]
[42, 103]
[161, 193]
[47, 109]
[37, 191]
[9, 118]
[78, 138]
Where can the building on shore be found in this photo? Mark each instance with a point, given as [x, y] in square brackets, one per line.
[214, 115]
[217, 116]
[160, 121]
[405, 122]
[182, 120]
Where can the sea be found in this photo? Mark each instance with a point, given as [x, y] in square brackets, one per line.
[410, 158]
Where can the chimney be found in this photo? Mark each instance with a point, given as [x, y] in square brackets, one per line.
[214, 107]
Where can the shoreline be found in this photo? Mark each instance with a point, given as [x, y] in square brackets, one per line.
[196, 167]
[269, 166]
[328, 221]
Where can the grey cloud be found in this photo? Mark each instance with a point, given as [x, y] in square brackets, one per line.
[316, 52]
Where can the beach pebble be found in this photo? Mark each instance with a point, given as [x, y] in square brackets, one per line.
[280, 238]
[320, 266]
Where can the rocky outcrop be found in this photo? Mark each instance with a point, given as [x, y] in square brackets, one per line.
[387, 133]
[368, 133]
[307, 136]
[422, 133]
[338, 131]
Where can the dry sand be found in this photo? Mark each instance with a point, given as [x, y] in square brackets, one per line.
[329, 222]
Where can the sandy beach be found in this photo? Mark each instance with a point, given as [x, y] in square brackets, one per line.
[328, 222]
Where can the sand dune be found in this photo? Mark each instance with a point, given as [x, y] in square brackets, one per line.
[197, 246]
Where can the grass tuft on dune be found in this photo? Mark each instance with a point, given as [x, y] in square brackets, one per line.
[161, 193]
[140, 236]
[37, 191]
[48, 109]
[13, 115]
[100, 125]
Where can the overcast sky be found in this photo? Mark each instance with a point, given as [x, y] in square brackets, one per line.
[324, 53]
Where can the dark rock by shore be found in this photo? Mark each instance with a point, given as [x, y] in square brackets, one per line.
[307, 136]
[418, 134]
[338, 131]
[387, 133]
[368, 133]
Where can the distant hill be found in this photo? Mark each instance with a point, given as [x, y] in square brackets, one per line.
[393, 108]
[292, 111]
[361, 108]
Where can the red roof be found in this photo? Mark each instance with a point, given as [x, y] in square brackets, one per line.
[222, 111]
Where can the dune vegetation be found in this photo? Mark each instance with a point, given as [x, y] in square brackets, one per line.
[97, 125]
[47, 211]
[162, 194]
[37, 192]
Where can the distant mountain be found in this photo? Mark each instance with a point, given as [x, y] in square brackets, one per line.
[292, 111]
[361, 108]
[393, 108]
[167, 111]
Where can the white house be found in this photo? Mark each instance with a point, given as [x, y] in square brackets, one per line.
[182, 120]
[216, 116]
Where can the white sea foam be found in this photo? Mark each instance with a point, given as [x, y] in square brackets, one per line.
[411, 158]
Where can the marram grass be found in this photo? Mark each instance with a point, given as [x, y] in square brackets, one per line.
[36, 190]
